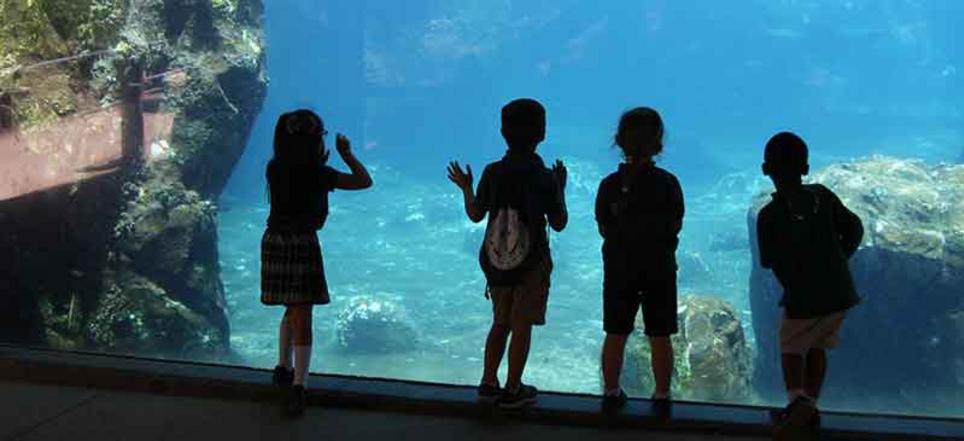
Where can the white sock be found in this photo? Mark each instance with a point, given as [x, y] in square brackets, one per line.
[613, 392]
[659, 396]
[793, 394]
[284, 345]
[302, 359]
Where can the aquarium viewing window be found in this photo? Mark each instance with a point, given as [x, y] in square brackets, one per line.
[134, 137]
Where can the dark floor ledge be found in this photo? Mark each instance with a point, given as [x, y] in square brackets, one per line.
[240, 383]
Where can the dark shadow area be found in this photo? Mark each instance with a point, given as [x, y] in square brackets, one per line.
[55, 250]
[554, 409]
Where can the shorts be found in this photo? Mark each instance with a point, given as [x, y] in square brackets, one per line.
[798, 336]
[523, 304]
[657, 298]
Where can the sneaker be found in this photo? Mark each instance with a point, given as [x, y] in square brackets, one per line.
[487, 393]
[295, 403]
[662, 408]
[524, 396]
[283, 376]
[797, 420]
[614, 403]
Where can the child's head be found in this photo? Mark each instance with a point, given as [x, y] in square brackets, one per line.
[640, 134]
[523, 124]
[785, 157]
[298, 138]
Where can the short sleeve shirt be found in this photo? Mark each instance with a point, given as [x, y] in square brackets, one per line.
[640, 214]
[541, 183]
[299, 196]
[806, 238]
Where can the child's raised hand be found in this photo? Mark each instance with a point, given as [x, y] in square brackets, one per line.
[343, 144]
[461, 179]
[560, 173]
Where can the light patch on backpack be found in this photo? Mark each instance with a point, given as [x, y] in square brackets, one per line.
[506, 240]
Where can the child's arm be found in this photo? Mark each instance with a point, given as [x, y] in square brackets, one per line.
[677, 209]
[359, 179]
[602, 214]
[849, 228]
[463, 180]
[560, 215]
[764, 240]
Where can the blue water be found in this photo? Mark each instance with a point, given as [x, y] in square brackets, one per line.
[419, 83]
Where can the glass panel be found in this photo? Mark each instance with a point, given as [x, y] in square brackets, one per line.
[121, 123]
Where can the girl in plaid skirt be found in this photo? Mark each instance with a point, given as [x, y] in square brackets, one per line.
[292, 273]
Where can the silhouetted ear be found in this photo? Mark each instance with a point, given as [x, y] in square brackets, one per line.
[806, 170]
[766, 168]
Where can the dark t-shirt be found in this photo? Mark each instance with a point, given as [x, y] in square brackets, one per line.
[806, 238]
[299, 196]
[542, 188]
[639, 211]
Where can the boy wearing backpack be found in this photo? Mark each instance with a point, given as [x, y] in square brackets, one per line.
[805, 235]
[520, 195]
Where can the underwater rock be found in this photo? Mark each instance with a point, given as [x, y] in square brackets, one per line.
[147, 219]
[909, 272]
[370, 325]
[136, 316]
[711, 355]
[693, 269]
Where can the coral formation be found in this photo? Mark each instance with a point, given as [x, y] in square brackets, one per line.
[711, 355]
[374, 326]
[150, 280]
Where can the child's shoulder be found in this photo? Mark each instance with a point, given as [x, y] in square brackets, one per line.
[823, 192]
[766, 212]
[667, 175]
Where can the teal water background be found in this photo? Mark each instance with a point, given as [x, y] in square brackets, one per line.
[418, 83]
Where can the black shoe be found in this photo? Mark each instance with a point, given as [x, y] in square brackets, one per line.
[799, 420]
[488, 394]
[524, 396]
[283, 376]
[295, 403]
[662, 408]
[614, 403]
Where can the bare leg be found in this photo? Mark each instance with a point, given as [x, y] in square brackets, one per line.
[300, 318]
[816, 371]
[662, 364]
[494, 350]
[614, 348]
[284, 342]
[518, 355]
[793, 375]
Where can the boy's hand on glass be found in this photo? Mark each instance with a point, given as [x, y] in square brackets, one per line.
[461, 179]
[560, 173]
[343, 144]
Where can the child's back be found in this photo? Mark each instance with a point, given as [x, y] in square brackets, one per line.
[641, 211]
[806, 237]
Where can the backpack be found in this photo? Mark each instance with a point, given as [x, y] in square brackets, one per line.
[509, 247]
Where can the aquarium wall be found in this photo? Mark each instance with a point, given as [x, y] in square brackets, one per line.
[134, 137]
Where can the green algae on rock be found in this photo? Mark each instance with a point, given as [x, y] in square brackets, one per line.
[711, 356]
[147, 247]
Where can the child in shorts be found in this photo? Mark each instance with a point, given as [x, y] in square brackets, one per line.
[806, 236]
[639, 212]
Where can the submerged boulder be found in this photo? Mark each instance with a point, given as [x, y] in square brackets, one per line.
[909, 272]
[711, 355]
[172, 87]
[136, 316]
[370, 325]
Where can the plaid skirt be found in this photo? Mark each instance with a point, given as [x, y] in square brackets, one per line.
[292, 271]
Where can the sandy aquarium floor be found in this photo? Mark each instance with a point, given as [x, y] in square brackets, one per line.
[408, 241]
